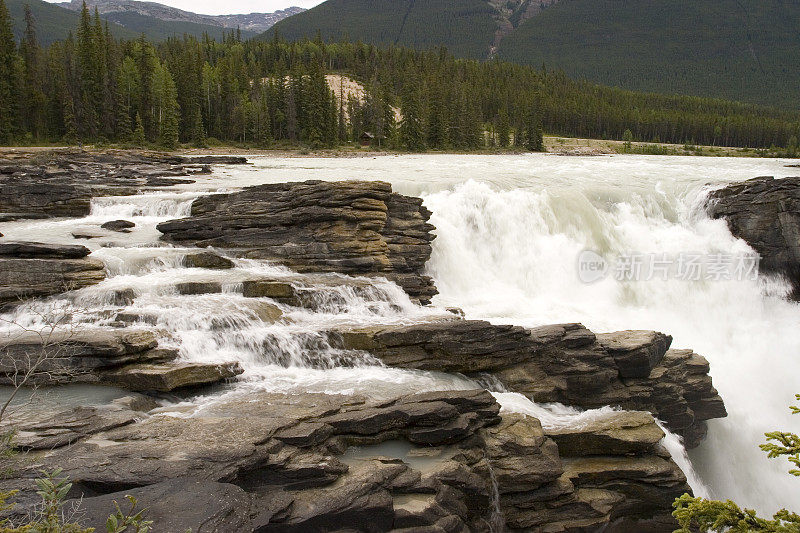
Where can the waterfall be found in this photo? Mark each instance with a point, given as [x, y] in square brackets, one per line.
[509, 255]
[509, 232]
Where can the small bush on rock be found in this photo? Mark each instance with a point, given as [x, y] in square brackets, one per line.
[52, 517]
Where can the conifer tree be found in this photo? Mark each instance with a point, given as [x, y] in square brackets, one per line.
[437, 119]
[412, 132]
[534, 138]
[9, 95]
[166, 111]
[138, 137]
[34, 100]
[503, 128]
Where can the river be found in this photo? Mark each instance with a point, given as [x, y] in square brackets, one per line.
[509, 231]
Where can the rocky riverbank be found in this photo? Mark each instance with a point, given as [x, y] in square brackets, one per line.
[441, 461]
[203, 447]
[62, 183]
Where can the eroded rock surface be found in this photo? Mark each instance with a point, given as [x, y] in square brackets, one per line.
[129, 358]
[765, 212]
[560, 363]
[29, 270]
[350, 227]
[62, 183]
[439, 461]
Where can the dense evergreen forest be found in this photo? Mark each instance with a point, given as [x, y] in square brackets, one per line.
[93, 87]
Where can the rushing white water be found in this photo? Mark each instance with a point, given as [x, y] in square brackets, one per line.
[510, 229]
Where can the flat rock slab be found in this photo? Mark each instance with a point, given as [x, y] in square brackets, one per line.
[622, 433]
[563, 363]
[38, 250]
[168, 377]
[32, 270]
[273, 463]
[636, 352]
[177, 506]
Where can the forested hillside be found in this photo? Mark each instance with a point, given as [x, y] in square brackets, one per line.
[465, 27]
[93, 87]
[747, 50]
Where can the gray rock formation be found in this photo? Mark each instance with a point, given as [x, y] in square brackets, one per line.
[439, 461]
[129, 358]
[765, 212]
[166, 377]
[29, 270]
[207, 260]
[560, 363]
[62, 183]
[118, 225]
[350, 227]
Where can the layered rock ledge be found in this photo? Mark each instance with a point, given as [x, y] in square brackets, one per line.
[129, 358]
[438, 461]
[564, 363]
[29, 270]
[765, 212]
[62, 183]
[349, 227]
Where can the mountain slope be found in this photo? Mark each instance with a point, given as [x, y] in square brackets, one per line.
[746, 50]
[251, 22]
[466, 27]
[53, 22]
[736, 49]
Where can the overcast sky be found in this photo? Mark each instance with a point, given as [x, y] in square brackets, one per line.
[229, 7]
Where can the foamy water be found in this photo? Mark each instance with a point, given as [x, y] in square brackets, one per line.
[509, 230]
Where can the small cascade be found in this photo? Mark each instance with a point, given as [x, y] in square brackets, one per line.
[497, 521]
[166, 205]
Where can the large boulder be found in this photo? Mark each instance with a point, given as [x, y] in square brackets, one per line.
[349, 227]
[765, 212]
[29, 270]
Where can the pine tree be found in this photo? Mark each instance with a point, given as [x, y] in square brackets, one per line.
[9, 96]
[534, 139]
[89, 76]
[437, 119]
[138, 137]
[166, 111]
[198, 134]
[503, 128]
[412, 132]
[34, 100]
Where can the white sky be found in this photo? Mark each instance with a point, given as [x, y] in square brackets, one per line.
[230, 7]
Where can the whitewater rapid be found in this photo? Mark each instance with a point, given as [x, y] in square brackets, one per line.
[509, 232]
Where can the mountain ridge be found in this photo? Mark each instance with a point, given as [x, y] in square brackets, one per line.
[250, 22]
